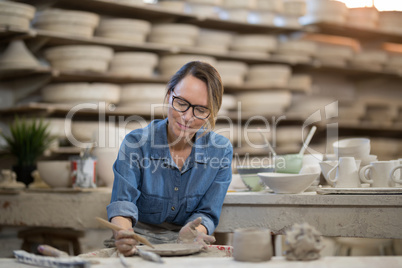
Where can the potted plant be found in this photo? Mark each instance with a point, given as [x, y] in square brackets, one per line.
[27, 141]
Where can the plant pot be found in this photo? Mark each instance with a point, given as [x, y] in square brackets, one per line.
[24, 173]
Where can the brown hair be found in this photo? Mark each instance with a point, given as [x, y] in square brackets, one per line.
[210, 76]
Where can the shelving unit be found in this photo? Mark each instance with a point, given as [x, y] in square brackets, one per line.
[38, 39]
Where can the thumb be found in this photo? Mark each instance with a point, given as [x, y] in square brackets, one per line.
[195, 223]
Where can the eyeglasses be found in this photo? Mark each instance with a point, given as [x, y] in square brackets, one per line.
[182, 106]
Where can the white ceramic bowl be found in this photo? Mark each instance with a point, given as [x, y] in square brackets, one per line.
[358, 148]
[105, 158]
[71, 93]
[283, 183]
[175, 29]
[67, 17]
[126, 25]
[79, 51]
[55, 173]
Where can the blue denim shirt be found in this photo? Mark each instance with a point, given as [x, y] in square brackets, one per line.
[148, 186]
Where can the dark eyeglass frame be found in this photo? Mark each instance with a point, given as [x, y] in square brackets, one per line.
[190, 106]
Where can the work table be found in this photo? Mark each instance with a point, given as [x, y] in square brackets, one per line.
[374, 216]
[209, 262]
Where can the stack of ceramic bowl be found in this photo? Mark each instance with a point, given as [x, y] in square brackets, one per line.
[352, 113]
[179, 34]
[16, 15]
[129, 2]
[370, 59]
[148, 98]
[229, 102]
[17, 57]
[129, 30]
[301, 82]
[334, 55]
[394, 63]
[214, 41]
[71, 22]
[275, 6]
[295, 51]
[366, 17]
[134, 64]
[303, 105]
[292, 10]
[227, 130]
[236, 10]
[204, 8]
[76, 93]
[325, 11]
[264, 103]
[170, 64]
[268, 76]
[254, 44]
[390, 21]
[288, 138]
[80, 58]
[172, 5]
[232, 72]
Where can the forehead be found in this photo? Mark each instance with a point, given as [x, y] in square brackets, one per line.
[193, 90]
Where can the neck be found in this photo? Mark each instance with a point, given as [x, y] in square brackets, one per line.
[178, 143]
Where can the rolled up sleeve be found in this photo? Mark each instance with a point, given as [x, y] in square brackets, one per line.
[125, 191]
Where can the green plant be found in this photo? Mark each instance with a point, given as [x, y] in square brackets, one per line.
[28, 140]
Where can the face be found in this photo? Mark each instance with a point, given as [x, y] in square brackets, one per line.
[184, 124]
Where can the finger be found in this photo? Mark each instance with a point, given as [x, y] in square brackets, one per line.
[124, 234]
[126, 241]
[209, 239]
[131, 252]
[195, 223]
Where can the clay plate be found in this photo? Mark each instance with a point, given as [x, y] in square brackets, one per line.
[173, 249]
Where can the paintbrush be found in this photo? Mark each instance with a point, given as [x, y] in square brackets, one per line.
[118, 228]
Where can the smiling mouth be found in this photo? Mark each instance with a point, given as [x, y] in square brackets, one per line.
[183, 126]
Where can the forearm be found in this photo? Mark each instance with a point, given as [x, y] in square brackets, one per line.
[123, 222]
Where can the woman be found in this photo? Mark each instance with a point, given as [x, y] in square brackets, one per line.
[171, 177]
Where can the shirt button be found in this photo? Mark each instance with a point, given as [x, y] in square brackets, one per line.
[172, 208]
[176, 188]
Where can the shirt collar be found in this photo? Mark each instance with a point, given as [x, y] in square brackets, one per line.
[159, 143]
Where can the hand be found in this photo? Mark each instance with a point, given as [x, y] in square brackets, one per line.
[125, 243]
[189, 234]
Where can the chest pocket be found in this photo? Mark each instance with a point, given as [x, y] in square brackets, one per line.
[192, 203]
[150, 209]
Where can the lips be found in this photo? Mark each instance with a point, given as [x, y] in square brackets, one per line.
[182, 126]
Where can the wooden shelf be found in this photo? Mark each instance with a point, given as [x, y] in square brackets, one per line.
[70, 76]
[364, 34]
[8, 33]
[20, 73]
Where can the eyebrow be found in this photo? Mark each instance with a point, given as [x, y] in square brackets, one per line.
[179, 97]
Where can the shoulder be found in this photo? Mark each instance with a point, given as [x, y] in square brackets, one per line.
[142, 135]
[216, 140]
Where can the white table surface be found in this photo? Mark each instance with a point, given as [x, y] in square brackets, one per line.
[276, 262]
[375, 216]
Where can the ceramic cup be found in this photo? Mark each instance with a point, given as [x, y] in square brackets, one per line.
[378, 173]
[395, 177]
[252, 245]
[288, 163]
[346, 173]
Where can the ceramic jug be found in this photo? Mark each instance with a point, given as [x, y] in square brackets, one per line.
[347, 175]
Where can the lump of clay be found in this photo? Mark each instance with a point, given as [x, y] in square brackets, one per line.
[304, 242]
[9, 180]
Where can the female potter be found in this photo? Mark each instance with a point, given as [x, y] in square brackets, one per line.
[171, 177]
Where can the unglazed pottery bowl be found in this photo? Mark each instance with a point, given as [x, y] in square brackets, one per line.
[55, 173]
[252, 245]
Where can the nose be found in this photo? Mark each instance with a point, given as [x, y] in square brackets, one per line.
[188, 115]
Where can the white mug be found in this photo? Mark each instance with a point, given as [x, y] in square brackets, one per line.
[394, 175]
[378, 173]
[346, 173]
